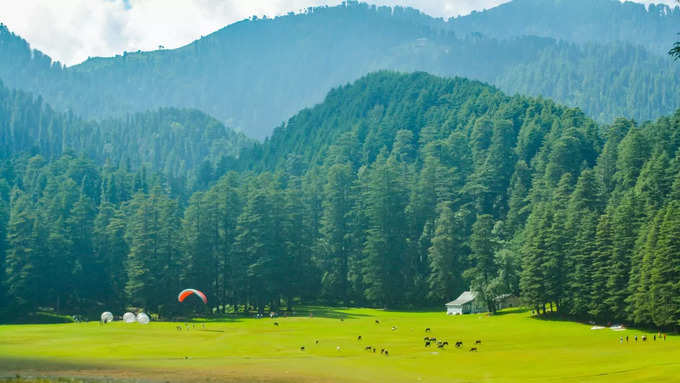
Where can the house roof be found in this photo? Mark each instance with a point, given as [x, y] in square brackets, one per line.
[465, 297]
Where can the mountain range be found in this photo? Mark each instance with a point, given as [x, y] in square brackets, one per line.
[257, 73]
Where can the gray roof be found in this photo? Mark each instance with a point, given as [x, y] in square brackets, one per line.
[465, 297]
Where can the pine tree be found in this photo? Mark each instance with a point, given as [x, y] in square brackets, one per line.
[601, 270]
[482, 256]
[445, 257]
[334, 243]
[625, 224]
[665, 290]
[385, 203]
[26, 274]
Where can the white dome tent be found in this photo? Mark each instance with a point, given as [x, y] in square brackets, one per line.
[107, 317]
[129, 317]
[143, 318]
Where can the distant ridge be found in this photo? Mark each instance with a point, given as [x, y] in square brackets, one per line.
[254, 74]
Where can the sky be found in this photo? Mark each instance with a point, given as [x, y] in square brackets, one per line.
[70, 31]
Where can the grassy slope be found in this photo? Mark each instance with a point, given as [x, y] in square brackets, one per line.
[515, 348]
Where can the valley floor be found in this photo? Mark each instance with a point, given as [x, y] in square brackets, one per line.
[515, 348]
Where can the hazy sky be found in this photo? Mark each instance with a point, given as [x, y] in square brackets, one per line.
[72, 30]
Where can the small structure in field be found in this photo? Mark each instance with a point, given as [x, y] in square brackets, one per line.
[466, 303]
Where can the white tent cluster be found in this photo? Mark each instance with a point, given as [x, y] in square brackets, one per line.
[128, 317]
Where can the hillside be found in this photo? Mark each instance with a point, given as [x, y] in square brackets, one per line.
[254, 74]
[174, 142]
[580, 21]
[355, 201]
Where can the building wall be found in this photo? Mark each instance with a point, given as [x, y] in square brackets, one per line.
[455, 310]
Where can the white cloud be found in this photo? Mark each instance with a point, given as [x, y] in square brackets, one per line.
[72, 30]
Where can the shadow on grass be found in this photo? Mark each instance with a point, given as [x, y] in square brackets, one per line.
[514, 310]
[301, 312]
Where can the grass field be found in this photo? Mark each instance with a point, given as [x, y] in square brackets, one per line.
[515, 348]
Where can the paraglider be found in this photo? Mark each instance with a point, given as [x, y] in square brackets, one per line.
[142, 318]
[106, 317]
[129, 317]
[185, 293]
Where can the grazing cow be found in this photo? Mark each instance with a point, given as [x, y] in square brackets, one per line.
[478, 341]
[374, 350]
[440, 345]
[368, 348]
[377, 321]
[302, 348]
[276, 323]
[446, 343]
[387, 353]
[459, 344]
[644, 338]
[359, 337]
[316, 341]
[473, 349]
[382, 350]
[426, 338]
[427, 344]
[427, 329]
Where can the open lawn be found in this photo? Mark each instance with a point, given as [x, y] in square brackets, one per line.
[515, 348]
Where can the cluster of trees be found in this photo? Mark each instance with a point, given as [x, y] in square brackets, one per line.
[397, 191]
[188, 146]
[580, 59]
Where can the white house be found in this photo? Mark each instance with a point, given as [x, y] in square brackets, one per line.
[466, 303]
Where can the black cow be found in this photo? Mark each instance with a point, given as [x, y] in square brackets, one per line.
[276, 323]
[387, 353]
[316, 341]
[427, 329]
[368, 348]
[478, 341]
[359, 337]
[302, 348]
[459, 344]
[473, 349]
[427, 344]
[377, 321]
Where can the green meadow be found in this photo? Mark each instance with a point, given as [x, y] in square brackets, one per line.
[516, 347]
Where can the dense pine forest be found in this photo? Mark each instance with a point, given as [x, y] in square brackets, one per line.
[398, 191]
[254, 74]
[188, 147]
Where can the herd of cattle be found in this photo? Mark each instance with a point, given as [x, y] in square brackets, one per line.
[429, 342]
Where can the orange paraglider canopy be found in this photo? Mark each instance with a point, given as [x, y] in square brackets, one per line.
[185, 293]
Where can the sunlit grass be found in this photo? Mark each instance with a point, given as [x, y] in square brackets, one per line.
[515, 347]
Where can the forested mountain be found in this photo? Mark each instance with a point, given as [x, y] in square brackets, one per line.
[256, 73]
[581, 21]
[179, 143]
[396, 191]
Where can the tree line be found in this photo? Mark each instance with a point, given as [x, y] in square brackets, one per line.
[398, 191]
